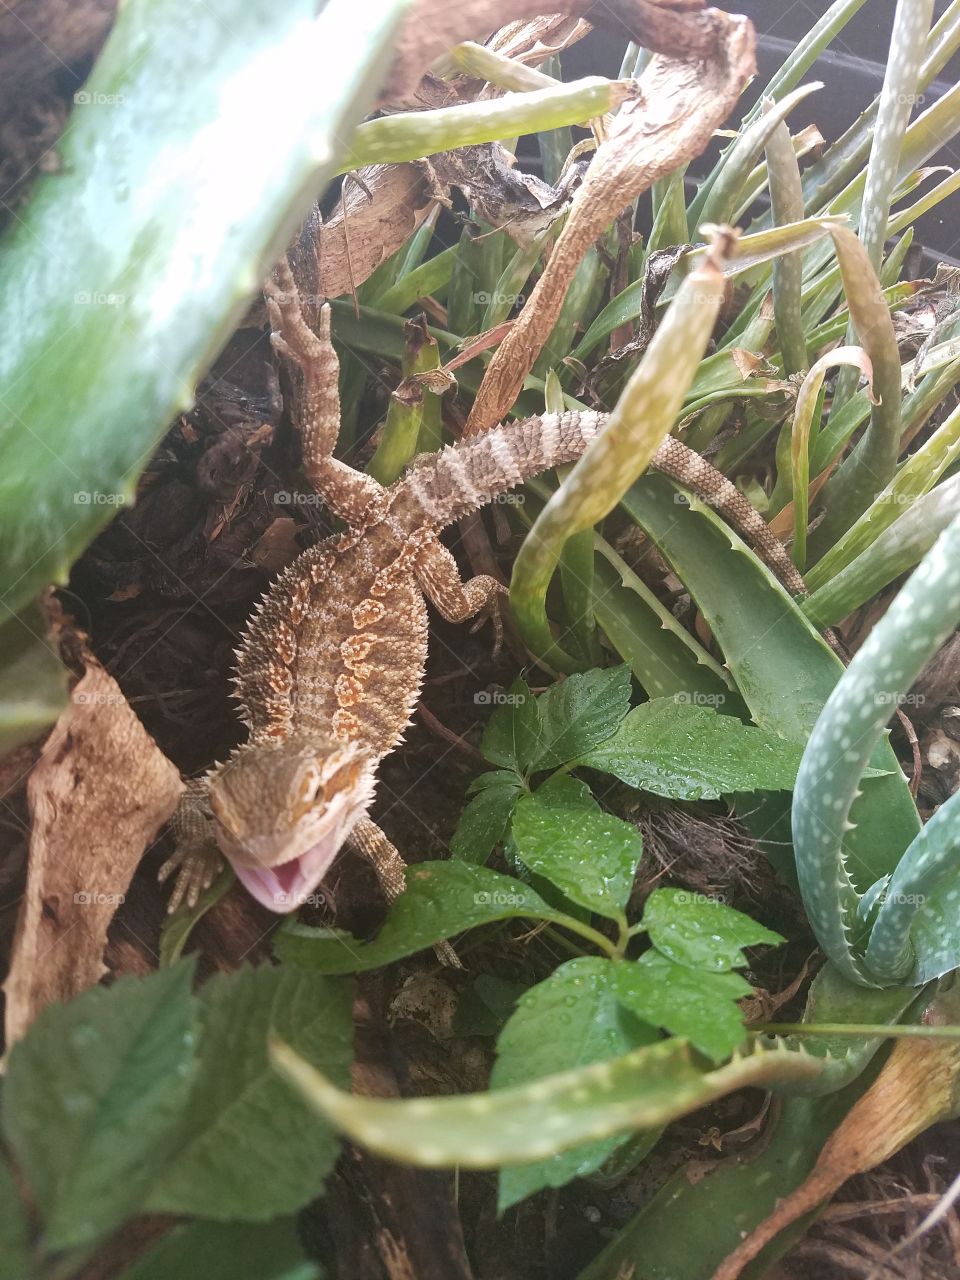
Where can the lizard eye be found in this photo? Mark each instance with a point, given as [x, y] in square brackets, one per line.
[310, 793]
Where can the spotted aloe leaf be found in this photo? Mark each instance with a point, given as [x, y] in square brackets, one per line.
[842, 741]
[644, 414]
[409, 135]
[639, 1090]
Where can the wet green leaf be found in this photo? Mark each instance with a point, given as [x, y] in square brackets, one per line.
[243, 1152]
[486, 816]
[441, 900]
[676, 748]
[512, 736]
[92, 1097]
[696, 931]
[562, 833]
[571, 1019]
[228, 1251]
[692, 1003]
[579, 712]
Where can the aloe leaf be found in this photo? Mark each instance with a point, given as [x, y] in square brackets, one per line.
[507, 73]
[409, 405]
[847, 156]
[916, 477]
[643, 415]
[916, 935]
[807, 401]
[786, 201]
[662, 654]
[908, 40]
[808, 49]
[140, 254]
[843, 739]
[33, 681]
[717, 203]
[872, 463]
[786, 679]
[410, 135]
[691, 1224]
[640, 1090]
[897, 548]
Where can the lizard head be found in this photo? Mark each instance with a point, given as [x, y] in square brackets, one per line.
[282, 811]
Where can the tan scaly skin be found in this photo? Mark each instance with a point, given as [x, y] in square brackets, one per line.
[330, 668]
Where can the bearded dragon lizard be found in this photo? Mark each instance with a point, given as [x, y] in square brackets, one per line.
[329, 670]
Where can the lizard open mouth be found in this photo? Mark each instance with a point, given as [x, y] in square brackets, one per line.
[292, 884]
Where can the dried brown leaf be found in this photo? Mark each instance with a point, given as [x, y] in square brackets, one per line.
[679, 28]
[680, 104]
[98, 795]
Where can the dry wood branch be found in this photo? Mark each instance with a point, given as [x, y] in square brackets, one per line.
[98, 795]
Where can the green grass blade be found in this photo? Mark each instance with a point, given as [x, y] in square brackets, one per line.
[917, 476]
[897, 549]
[786, 199]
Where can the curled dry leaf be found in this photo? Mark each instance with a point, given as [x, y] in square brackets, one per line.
[98, 795]
[682, 101]
[377, 213]
[680, 28]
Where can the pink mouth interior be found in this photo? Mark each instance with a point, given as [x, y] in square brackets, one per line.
[288, 886]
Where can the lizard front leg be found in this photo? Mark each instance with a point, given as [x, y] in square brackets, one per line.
[197, 859]
[367, 838]
[439, 579]
[354, 497]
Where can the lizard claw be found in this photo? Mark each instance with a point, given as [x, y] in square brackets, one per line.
[197, 867]
[196, 858]
[492, 611]
[292, 335]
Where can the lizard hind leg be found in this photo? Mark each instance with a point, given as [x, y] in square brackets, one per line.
[196, 859]
[439, 578]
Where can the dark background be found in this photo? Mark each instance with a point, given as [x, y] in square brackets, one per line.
[852, 70]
